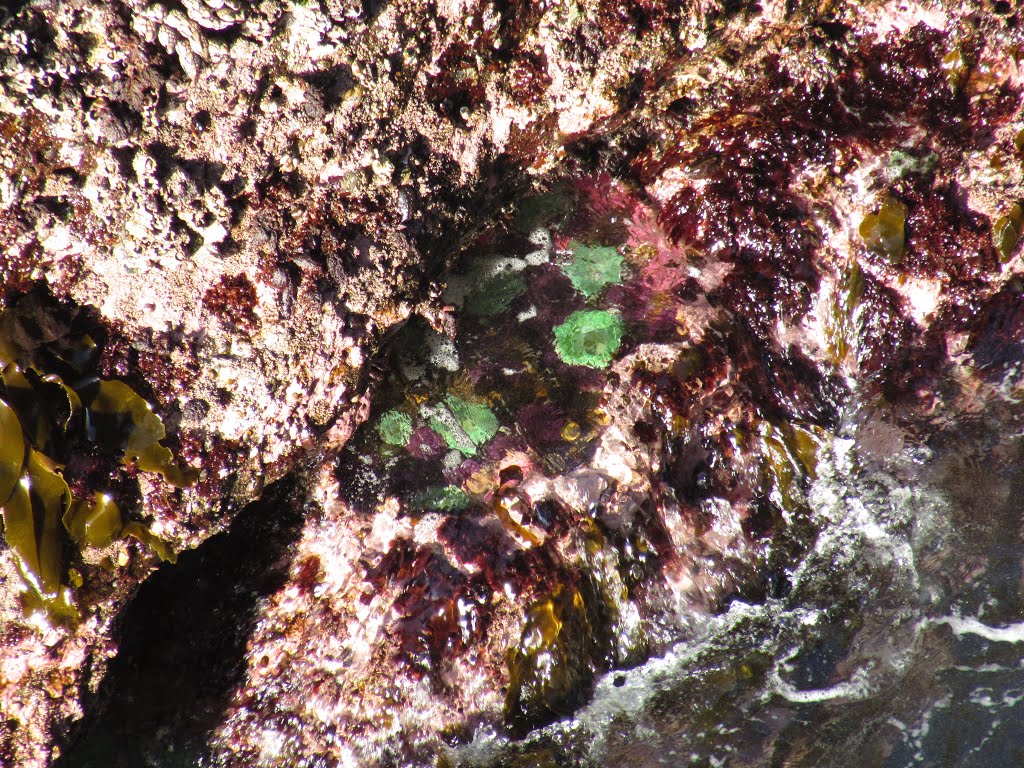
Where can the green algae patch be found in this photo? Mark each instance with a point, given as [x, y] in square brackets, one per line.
[546, 209]
[593, 267]
[395, 428]
[478, 421]
[1006, 231]
[589, 337]
[447, 426]
[902, 163]
[122, 417]
[487, 286]
[443, 499]
[883, 232]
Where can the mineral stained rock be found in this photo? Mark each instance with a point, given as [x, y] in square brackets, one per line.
[602, 278]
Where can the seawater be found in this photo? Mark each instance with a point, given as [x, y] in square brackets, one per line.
[901, 642]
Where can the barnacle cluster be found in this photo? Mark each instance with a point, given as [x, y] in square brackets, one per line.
[55, 411]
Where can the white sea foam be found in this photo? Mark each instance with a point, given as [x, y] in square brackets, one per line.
[968, 625]
[856, 688]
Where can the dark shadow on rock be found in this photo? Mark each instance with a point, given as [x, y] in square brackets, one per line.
[182, 646]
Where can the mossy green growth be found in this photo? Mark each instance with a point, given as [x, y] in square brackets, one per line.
[395, 427]
[883, 232]
[441, 499]
[444, 423]
[476, 419]
[589, 337]
[547, 208]
[593, 267]
[487, 286]
[903, 163]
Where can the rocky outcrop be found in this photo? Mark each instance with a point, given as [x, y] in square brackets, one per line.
[691, 232]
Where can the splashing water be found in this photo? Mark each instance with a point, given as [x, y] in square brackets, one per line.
[898, 645]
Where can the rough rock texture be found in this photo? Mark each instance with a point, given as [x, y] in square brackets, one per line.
[249, 196]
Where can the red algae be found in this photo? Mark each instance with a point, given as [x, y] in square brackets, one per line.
[234, 300]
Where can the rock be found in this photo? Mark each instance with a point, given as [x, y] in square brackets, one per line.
[244, 203]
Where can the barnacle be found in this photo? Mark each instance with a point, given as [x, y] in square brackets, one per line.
[593, 267]
[1006, 231]
[883, 232]
[589, 338]
[217, 15]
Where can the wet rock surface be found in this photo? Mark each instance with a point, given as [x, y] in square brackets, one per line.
[609, 285]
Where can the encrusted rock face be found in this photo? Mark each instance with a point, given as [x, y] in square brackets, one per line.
[681, 241]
